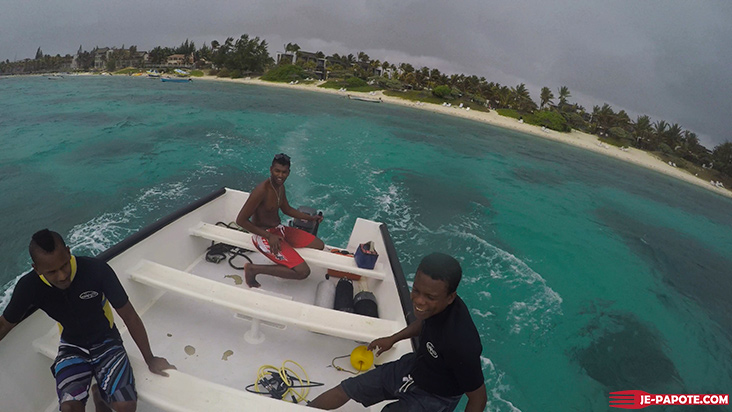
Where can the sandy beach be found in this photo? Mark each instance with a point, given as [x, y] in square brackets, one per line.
[575, 138]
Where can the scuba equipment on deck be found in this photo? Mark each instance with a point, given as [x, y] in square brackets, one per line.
[344, 296]
[364, 303]
[282, 381]
[325, 293]
[219, 251]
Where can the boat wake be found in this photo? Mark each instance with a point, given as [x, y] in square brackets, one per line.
[108, 229]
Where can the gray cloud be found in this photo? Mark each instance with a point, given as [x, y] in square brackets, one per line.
[668, 59]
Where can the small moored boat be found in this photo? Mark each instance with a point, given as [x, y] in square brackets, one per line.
[175, 80]
[365, 99]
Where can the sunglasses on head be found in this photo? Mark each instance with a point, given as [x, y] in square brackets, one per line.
[282, 156]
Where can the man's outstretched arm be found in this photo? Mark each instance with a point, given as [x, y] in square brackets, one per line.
[477, 400]
[292, 212]
[137, 330]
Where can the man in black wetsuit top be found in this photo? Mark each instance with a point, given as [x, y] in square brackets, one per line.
[77, 292]
[447, 362]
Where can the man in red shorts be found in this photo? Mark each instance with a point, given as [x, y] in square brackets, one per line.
[273, 239]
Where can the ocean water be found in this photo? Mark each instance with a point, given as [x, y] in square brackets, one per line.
[584, 275]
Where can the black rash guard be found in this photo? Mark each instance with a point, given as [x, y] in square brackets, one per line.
[448, 357]
[82, 309]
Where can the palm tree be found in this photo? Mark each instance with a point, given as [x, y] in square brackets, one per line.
[292, 47]
[546, 97]
[503, 94]
[604, 117]
[673, 136]
[563, 96]
[692, 145]
[521, 98]
[659, 132]
[622, 120]
[363, 57]
[722, 155]
[643, 131]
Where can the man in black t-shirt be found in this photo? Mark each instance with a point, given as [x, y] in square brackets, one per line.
[447, 362]
[79, 293]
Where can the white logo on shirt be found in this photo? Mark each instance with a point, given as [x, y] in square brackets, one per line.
[431, 349]
[89, 294]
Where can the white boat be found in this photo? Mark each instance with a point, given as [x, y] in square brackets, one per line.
[365, 99]
[216, 331]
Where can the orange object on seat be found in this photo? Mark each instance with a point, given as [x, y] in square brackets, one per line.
[341, 274]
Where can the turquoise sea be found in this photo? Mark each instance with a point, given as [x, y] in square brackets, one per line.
[585, 275]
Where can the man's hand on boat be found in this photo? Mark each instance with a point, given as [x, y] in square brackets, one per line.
[158, 365]
[384, 344]
[314, 218]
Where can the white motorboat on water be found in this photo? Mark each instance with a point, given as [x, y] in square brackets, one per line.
[218, 332]
[365, 99]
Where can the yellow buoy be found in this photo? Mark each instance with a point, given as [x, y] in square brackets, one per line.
[362, 359]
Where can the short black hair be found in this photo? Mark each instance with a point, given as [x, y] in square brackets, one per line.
[282, 159]
[440, 266]
[44, 241]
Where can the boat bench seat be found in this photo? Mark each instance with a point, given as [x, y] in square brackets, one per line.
[179, 392]
[264, 307]
[313, 257]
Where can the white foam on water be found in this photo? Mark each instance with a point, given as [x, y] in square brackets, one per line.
[497, 388]
[8, 292]
[487, 363]
[534, 312]
[482, 314]
[101, 232]
[164, 191]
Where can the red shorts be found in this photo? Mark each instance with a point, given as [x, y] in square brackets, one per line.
[287, 256]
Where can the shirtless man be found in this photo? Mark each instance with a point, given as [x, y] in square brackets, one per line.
[273, 239]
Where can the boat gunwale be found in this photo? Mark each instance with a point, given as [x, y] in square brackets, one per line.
[157, 225]
[399, 279]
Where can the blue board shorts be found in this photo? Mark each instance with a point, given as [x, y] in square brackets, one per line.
[392, 381]
[107, 362]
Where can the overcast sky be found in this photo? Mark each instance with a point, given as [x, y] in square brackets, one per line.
[670, 59]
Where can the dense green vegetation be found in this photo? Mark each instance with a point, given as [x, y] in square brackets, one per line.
[128, 70]
[285, 73]
[352, 84]
[245, 57]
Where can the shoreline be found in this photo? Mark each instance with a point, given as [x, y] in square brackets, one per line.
[574, 138]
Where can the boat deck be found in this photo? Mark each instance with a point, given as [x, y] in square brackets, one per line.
[217, 331]
[169, 321]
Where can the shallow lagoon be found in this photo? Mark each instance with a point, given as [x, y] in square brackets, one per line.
[585, 275]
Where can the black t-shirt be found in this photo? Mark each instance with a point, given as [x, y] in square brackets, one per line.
[448, 357]
[82, 309]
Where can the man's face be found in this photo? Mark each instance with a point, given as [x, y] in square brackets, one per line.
[429, 296]
[279, 173]
[55, 267]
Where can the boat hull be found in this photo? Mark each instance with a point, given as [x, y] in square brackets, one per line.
[176, 320]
